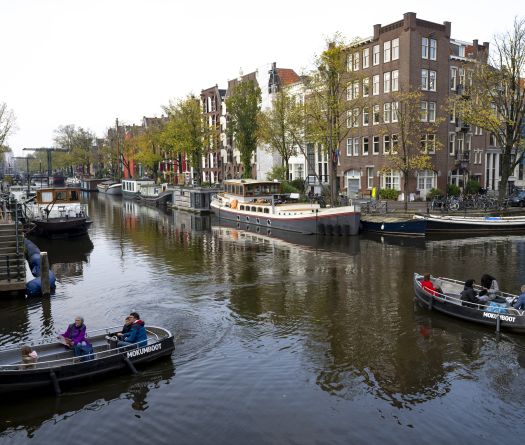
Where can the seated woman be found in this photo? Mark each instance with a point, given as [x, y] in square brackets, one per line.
[490, 289]
[427, 284]
[136, 335]
[75, 338]
[469, 296]
[29, 357]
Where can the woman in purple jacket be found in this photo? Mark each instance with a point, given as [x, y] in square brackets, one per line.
[75, 337]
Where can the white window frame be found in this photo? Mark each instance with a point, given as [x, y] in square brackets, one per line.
[365, 143]
[375, 115]
[386, 51]
[423, 108]
[394, 144]
[375, 85]
[355, 89]
[395, 49]
[395, 110]
[432, 107]
[432, 80]
[349, 92]
[356, 61]
[386, 82]
[393, 178]
[366, 58]
[369, 178]
[424, 79]
[432, 50]
[387, 145]
[366, 116]
[357, 146]
[387, 112]
[376, 142]
[452, 144]
[376, 55]
[395, 80]
[426, 178]
[424, 47]
[349, 146]
[355, 118]
[453, 78]
[366, 87]
[349, 62]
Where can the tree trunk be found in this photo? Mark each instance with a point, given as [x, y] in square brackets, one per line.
[505, 173]
[333, 180]
[405, 191]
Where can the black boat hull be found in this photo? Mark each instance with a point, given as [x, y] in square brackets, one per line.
[55, 377]
[62, 227]
[512, 321]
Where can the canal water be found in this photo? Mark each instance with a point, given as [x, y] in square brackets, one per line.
[278, 340]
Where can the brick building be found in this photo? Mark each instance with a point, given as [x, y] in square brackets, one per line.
[412, 54]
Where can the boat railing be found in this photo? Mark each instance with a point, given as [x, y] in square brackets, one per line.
[443, 297]
[76, 359]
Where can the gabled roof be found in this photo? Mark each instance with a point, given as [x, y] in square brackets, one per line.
[288, 76]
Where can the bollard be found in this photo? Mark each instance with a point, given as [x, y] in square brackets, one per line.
[44, 274]
[498, 324]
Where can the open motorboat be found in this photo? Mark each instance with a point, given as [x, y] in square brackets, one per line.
[261, 203]
[57, 212]
[498, 314]
[57, 366]
[473, 224]
[110, 187]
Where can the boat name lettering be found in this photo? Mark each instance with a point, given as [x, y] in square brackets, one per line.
[145, 350]
[502, 317]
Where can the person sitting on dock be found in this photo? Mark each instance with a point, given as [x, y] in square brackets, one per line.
[468, 294]
[136, 335]
[75, 338]
[29, 357]
[520, 302]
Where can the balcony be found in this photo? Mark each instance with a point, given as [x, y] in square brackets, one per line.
[463, 158]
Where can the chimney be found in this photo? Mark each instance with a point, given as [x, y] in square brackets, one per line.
[448, 29]
[409, 19]
[377, 30]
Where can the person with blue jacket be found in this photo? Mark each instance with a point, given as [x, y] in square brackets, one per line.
[520, 302]
[136, 335]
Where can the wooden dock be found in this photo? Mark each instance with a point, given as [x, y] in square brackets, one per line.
[12, 260]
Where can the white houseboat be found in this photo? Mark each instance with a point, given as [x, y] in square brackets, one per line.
[261, 203]
[131, 187]
[110, 187]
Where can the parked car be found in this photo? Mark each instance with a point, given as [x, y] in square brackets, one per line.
[517, 199]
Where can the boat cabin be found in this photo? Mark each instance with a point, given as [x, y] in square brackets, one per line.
[59, 196]
[250, 188]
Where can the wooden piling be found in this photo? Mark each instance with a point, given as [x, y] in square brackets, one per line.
[44, 274]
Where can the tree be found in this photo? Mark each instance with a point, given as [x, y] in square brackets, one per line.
[148, 143]
[495, 100]
[79, 145]
[7, 124]
[331, 105]
[243, 107]
[280, 125]
[412, 137]
[186, 131]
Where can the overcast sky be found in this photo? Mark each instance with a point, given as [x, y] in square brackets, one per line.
[87, 62]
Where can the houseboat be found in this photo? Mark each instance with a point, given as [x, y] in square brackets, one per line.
[57, 213]
[131, 187]
[110, 187]
[155, 194]
[261, 203]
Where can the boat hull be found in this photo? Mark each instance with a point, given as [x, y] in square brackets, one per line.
[512, 321]
[72, 373]
[472, 225]
[61, 227]
[332, 222]
[409, 227]
[117, 191]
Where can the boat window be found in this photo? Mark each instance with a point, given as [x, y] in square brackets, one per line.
[61, 196]
[46, 196]
[242, 207]
[259, 209]
[266, 210]
[254, 209]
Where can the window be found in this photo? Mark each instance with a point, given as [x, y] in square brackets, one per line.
[426, 180]
[349, 146]
[424, 111]
[386, 144]
[424, 79]
[391, 180]
[355, 87]
[375, 114]
[349, 62]
[375, 55]
[386, 82]
[468, 142]
[369, 178]
[375, 85]
[428, 143]
[452, 117]
[395, 142]
[366, 117]
[366, 87]
[432, 80]
[386, 112]
[453, 75]
[349, 119]
[395, 80]
[452, 144]
[492, 140]
[366, 57]
[461, 77]
[349, 92]
[459, 143]
[355, 117]
[478, 131]
[395, 111]
[432, 111]
[356, 61]
[395, 49]
[433, 49]
[356, 146]
[428, 80]
[365, 146]
[375, 145]
[386, 52]
[424, 48]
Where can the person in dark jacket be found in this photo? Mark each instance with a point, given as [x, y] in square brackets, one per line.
[137, 333]
[469, 295]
